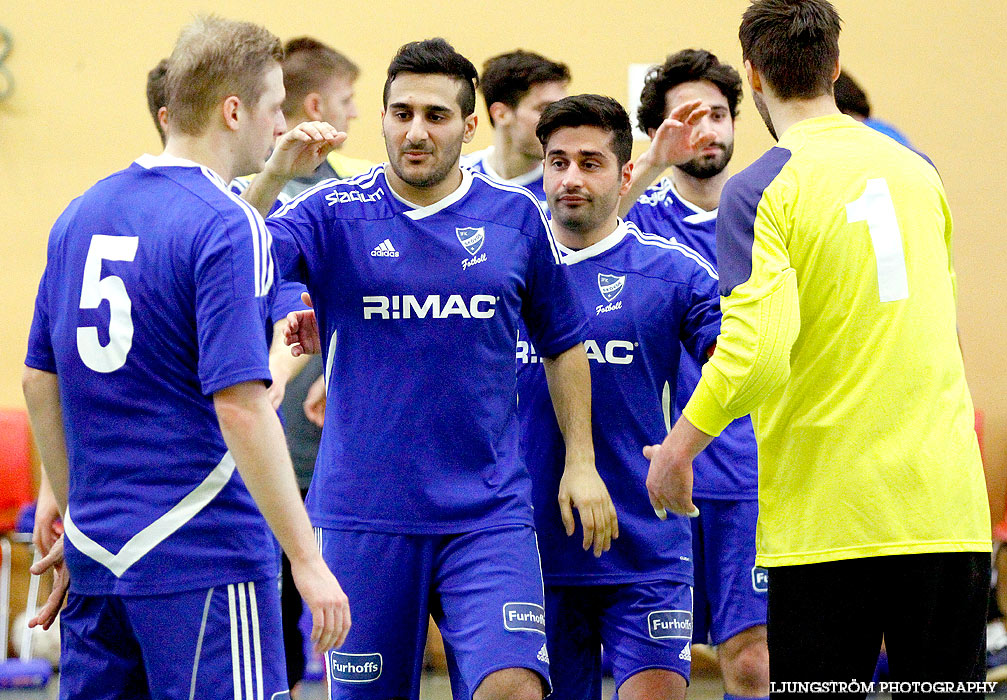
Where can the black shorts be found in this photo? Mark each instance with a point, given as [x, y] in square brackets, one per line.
[827, 622]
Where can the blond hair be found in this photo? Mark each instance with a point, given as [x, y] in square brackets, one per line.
[213, 59]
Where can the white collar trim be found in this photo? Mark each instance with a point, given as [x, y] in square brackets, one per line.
[527, 178]
[165, 161]
[700, 216]
[571, 257]
[417, 212]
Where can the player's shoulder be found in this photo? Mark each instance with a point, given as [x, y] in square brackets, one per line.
[667, 258]
[475, 160]
[505, 201]
[657, 194]
[753, 180]
[346, 167]
[363, 196]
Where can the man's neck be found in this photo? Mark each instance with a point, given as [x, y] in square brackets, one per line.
[578, 240]
[701, 192]
[206, 149]
[508, 163]
[424, 196]
[786, 113]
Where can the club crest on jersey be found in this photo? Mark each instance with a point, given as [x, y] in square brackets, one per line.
[611, 285]
[471, 238]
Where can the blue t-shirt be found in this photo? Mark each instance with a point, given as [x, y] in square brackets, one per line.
[153, 298]
[728, 467]
[645, 298]
[418, 309]
[478, 162]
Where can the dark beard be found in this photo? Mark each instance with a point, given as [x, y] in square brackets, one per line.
[705, 167]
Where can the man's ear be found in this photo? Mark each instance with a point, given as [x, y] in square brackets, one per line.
[754, 79]
[501, 114]
[471, 121]
[229, 110]
[627, 178]
[312, 106]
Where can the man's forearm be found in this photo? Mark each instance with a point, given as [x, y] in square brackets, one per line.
[645, 172]
[255, 438]
[41, 393]
[263, 190]
[569, 378]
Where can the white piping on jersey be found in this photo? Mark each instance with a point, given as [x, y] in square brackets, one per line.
[553, 243]
[572, 257]
[672, 244]
[666, 186]
[262, 245]
[483, 158]
[363, 181]
[329, 358]
[149, 537]
[417, 212]
[262, 240]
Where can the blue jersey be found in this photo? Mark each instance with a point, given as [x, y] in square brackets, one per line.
[646, 298]
[418, 309]
[478, 162]
[728, 467]
[153, 298]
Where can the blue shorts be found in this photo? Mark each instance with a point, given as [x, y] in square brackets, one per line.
[223, 642]
[641, 625]
[483, 588]
[730, 588]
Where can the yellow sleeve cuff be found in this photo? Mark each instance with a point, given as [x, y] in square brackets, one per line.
[705, 412]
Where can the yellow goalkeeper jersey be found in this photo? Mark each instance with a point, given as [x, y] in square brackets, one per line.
[839, 337]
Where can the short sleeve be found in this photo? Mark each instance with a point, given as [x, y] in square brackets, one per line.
[40, 351]
[292, 227]
[554, 316]
[231, 266]
[286, 300]
[701, 322]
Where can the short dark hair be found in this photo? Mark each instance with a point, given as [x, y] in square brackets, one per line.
[507, 78]
[157, 96]
[685, 66]
[794, 44]
[308, 65]
[850, 97]
[436, 57]
[589, 110]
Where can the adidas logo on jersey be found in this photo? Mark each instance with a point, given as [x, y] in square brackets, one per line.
[384, 250]
[543, 655]
[686, 653]
[408, 306]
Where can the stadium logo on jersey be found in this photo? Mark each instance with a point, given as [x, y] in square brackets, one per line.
[408, 306]
[346, 196]
[385, 249]
[471, 238]
[760, 579]
[670, 624]
[524, 617]
[354, 668]
[611, 285]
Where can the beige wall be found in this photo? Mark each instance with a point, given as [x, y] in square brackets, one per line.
[933, 67]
